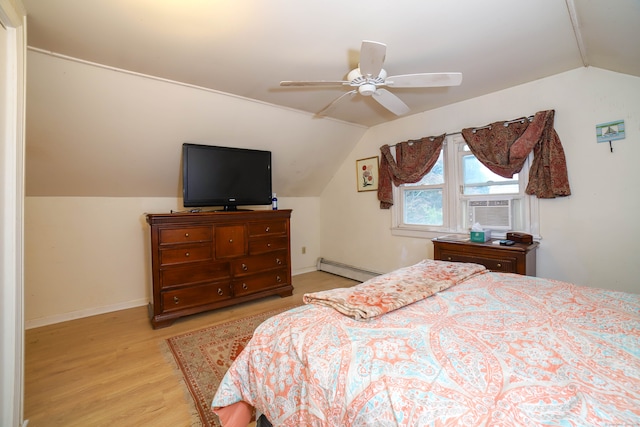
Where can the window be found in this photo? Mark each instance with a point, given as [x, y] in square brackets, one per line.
[423, 201]
[460, 191]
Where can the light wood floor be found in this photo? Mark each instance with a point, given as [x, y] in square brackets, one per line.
[109, 370]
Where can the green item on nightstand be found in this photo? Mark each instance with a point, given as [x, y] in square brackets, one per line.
[480, 236]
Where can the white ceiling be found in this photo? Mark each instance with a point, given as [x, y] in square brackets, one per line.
[246, 47]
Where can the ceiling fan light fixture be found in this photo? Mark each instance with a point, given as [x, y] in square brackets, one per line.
[367, 89]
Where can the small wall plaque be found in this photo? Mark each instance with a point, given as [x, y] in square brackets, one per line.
[611, 131]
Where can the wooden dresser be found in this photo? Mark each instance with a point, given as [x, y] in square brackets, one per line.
[207, 260]
[519, 258]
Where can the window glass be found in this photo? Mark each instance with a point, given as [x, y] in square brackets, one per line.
[477, 179]
[423, 207]
[423, 200]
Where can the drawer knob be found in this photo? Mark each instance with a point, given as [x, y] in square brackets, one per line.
[186, 254]
[186, 234]
[244, 267]
[278, 279]
[278, 261]
[268, 245]
[267, 229]
[499, 265]
[230, 240]
[176, 300]
[448, 258]
[220, 291]
[244, 286]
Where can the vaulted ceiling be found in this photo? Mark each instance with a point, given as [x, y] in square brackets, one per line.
[246, 47]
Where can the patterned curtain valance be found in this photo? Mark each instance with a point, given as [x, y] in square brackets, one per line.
[414, 159]
[504, 148]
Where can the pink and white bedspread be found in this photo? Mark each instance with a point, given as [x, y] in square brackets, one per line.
[494, 350]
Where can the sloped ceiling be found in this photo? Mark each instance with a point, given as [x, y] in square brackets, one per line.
[246, 47]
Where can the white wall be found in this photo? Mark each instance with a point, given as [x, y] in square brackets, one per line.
[96, 132]
[588, 237]
[305, 232]
[103, 148]
[91, 255]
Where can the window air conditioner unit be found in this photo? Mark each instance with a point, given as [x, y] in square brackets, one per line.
[491, 213]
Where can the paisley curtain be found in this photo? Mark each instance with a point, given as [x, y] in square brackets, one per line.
[414, 159]
[504, 146]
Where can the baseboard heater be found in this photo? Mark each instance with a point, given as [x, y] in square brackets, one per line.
[345, 270]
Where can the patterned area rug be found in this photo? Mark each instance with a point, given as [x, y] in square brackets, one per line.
[204, 356]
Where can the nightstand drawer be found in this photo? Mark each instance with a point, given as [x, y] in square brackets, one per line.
[506, 265]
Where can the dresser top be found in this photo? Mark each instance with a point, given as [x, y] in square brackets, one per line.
[216, 216]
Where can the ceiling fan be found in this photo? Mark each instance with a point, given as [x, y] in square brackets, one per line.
[369, 78]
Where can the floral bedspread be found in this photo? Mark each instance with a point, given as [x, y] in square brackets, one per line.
[495, 350]
[394, 290]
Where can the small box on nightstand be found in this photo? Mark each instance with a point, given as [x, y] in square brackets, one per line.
[480, 236]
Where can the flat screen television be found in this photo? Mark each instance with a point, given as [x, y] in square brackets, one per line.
[225, 177]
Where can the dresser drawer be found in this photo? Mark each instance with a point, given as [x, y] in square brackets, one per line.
[169, 236]
[259, 282]
[258, 263]
[267, 228]
[505, 264]
[209, 272]
[230, 241]
[269, 244]
[180, 299]
[185, 254]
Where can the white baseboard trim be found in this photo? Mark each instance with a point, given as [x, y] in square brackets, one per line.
[344, 270]
[304, 270]
[64, 317]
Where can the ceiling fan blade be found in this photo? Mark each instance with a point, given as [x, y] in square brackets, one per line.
[372, 56]
[390, 102]
[330, 107]
[424, 80]
[314, 83]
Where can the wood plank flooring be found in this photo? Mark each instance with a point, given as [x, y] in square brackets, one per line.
[110, 370]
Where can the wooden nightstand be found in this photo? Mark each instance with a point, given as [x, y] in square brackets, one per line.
[519, 258]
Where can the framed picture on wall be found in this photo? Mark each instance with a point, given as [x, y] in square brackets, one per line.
[367, 174]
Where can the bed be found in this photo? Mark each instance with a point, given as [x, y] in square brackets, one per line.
[441, 343]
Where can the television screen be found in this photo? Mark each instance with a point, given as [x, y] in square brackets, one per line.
[224, 176]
